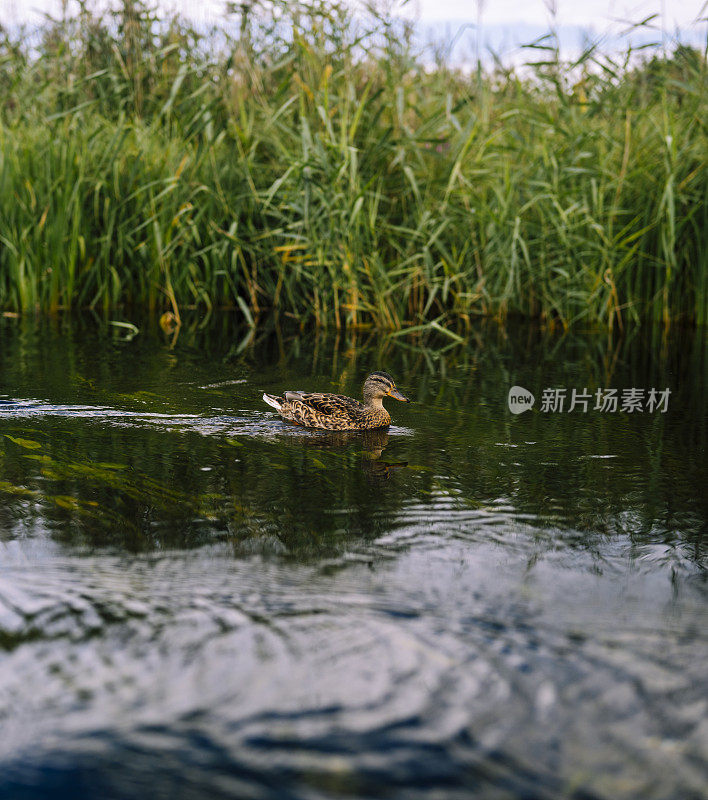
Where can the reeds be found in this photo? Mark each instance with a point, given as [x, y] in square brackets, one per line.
[311, 165]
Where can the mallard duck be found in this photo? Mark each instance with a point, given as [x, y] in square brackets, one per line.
[336, 411]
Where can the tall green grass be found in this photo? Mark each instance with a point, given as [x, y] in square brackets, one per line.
[317, 168]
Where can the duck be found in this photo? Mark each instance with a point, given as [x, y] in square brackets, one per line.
[337, 412]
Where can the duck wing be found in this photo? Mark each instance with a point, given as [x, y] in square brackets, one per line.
[335, 405]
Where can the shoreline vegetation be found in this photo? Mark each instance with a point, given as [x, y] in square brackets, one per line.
[300, 162]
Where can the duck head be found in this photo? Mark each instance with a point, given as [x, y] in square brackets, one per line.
[379, 385]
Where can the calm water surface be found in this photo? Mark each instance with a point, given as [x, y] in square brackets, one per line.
[197, 600]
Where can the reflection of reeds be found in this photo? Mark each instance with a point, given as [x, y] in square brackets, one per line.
[97, 482]
[316, 168]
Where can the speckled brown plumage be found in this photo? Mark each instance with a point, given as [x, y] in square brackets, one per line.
[336, 411]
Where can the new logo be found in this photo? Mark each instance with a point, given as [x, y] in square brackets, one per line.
[519, 399]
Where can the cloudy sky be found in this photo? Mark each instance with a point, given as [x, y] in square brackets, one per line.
[570, 12]
[598, 14]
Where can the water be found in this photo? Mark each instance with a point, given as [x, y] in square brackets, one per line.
[197, 600]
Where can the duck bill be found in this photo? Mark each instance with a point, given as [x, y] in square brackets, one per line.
[398, 396]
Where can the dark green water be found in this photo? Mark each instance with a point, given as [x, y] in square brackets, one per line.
[197, 600]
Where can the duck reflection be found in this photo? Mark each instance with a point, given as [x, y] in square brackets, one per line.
[372, 442]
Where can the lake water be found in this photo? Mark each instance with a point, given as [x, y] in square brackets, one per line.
[198, 600]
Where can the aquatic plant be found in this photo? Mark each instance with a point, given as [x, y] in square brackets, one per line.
[310, 164]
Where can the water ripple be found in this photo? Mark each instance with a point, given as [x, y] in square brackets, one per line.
[258, 424]
[212, 668]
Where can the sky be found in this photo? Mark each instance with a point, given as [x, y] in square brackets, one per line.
[600, 15]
